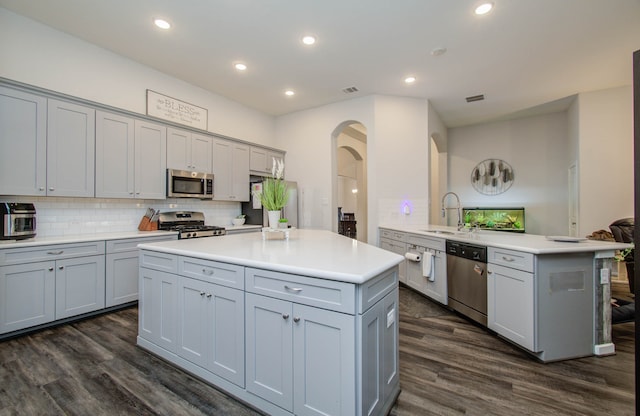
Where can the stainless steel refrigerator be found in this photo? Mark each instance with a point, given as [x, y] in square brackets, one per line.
[256, 214]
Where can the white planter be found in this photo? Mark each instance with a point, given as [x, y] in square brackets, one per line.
[274, 217]
[238, 221]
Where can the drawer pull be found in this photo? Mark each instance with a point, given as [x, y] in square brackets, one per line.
[207, 272]
[209, 295]
[60, 267]
[55, 253]
[50, 269]
[285, 316]
[506, 258]
[293, 289]
[201, 293]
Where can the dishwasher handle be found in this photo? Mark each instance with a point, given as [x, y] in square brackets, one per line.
[478, 269]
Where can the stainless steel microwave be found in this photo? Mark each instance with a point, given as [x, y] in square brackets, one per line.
[187, 184]
[17, 221]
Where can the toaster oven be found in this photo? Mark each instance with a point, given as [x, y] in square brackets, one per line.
[18, 220]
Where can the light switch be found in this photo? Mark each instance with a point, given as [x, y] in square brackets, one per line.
[604, 276]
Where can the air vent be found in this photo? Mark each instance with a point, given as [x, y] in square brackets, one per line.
[349, 90]
[475, 98]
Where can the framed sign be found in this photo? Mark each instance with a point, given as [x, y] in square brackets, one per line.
[170, 109]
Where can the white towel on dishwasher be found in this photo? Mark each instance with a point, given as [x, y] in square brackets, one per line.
[428, 266]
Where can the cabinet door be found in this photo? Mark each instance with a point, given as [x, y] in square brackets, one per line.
[70, 149]
[193, 320]
[323, 362]
[158, 308]
[269, 349]
[510, 304]
[114, 156]
[226, 333]
[79, 285]
[437, 289]
[258, 159]
[121, 280]
[222, 169]
[150, 160]
[240, 176]
[23, 143]
[398, 248]
[27, 295]
[201, 153]
[178, 149]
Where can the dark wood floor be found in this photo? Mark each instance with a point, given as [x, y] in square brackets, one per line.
[448, 367]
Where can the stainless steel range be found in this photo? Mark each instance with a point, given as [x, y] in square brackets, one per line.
[188, 224]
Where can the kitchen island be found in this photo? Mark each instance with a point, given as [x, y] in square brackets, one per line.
[302, 326]
[548, 295]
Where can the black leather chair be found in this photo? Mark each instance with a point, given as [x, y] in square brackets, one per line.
[622, 231]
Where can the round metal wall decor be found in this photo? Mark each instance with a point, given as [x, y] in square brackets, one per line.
[492, 177]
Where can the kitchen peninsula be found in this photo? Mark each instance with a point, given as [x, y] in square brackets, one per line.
[548, 295]
[307, 325]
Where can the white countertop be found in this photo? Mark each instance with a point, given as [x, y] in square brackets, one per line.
[80, 238]
[315, 253]
[530, 243]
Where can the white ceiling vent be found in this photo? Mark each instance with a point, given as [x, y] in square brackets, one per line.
[475, 98]
[350, 90]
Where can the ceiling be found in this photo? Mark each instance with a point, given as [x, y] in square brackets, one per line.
[521, 56]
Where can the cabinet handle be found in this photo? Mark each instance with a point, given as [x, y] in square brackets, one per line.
[505, 258]
[285, 316]
[296, 319]
[293, 289]
[55, 253]
[50, 269]
[202, 293]
[207, 272]
[60, 267]
[208, 295]
[42, 188]
[52, 189]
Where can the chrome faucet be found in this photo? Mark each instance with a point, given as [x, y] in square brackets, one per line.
[457, 207]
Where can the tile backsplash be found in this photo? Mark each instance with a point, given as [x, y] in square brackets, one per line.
[66, 216]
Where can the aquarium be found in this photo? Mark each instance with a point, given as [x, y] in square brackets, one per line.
[499, 219]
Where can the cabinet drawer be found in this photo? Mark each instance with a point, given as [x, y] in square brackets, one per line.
[433, 243]
[225, 274]
[393, 246]
[131, 244]
[53, 252]
[159, 261]
[393, 235]
[322, 293]
[511, 258]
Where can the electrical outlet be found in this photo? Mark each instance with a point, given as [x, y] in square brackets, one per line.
[604, 276]
[391, 317]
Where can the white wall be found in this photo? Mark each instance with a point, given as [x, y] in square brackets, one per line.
[537, 150]
[605, 131]
[397, 155]
[38, 55]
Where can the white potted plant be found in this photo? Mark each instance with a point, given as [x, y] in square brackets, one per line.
[274, 195]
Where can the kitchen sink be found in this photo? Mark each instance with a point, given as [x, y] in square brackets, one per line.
[439, 232]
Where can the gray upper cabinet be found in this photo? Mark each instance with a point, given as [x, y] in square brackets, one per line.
[189, 151]
[151, 160]
[115, 147]
[130, 157]
[23, 143]
[230, 170]
[70, 149]
[261, 160]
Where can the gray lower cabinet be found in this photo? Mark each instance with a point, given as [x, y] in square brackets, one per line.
[395, 242]
[211, 327]
[158, 308]
[286, 344]
[300, 358]
[121, 280]
[42, 284]
[435, 286]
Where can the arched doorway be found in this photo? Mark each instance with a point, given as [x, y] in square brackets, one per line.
[437, 176]
[350, 180]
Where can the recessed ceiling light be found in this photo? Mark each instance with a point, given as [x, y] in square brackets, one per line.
[162, 24]
[484, 8]
[410, 80]
[438, 51]
[240, 66]
[289, 93]
[309, 40]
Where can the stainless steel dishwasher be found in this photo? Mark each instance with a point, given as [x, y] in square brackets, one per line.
[467, 279]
